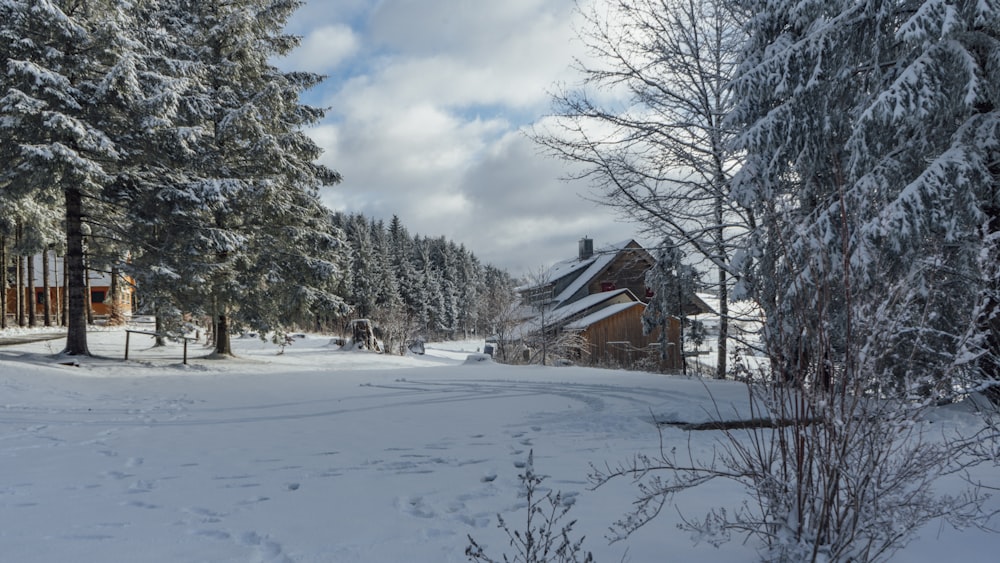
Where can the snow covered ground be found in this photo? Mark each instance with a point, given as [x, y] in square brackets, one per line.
[317, 455]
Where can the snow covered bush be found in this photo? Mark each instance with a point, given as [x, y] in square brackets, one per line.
[828, 477]
[542, 540]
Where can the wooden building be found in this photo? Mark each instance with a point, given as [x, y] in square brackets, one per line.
[601, 296]
[100, 290]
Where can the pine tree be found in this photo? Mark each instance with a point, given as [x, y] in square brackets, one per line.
[234, 225]
[364, 268]
[402, 260]
[871, 142]
[673, 283]
[63, 74]
[391, 316]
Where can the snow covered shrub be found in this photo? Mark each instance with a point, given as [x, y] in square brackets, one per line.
[828, 478]
[833, 470]
[542, 539]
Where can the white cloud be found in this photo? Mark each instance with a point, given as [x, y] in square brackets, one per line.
[476, 53]
[323, 49]
[428, 129]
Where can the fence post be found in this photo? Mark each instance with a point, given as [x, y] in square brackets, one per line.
[127, 334]
[185, 351]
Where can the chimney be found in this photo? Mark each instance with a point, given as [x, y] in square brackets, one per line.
[586, 248]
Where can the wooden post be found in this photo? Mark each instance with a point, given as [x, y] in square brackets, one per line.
[127, 334]
[185, 351]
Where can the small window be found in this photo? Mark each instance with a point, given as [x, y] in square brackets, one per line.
[40, 296]
[608, 286]
[97, 297]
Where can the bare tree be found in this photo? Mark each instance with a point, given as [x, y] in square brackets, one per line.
[502, 308]
[832, 472]
[648, 126]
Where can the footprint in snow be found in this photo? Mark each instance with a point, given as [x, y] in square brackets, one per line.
[415, 506]
[141, 486]
[214, 534]
[140, 504]
[269, 549]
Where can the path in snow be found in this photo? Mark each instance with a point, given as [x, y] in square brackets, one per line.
[320, 456]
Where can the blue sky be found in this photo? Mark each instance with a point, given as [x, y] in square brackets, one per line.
[428, 101]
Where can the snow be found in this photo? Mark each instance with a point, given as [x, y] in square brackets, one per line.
[604, 313]
[317, 455]
[560, 314]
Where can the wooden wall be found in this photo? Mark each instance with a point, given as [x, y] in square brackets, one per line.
[627, 271]
[56, 295]
[627, 326]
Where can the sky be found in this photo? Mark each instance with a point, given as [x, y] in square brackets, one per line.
[428, 104]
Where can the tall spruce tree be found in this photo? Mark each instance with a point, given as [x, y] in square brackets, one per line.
[238, 228]
[871, 139]
[67, 66]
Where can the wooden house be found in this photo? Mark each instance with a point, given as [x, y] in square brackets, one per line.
[601, 297]
[100, 289]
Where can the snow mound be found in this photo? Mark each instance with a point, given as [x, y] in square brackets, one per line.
[474, 359]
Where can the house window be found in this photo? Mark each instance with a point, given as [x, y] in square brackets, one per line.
[40, 296]
[608, 286]
[97, 297]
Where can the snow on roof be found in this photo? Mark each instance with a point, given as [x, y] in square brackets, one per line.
[562, 269]
[601, 259]
[600, 262]
[598, 316]
[594, 264]
[587, 302]
[561, 314]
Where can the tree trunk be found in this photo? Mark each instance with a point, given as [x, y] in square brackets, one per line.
[680, 323]
[159, 329]
[115, 315]
[46, 289]
[88, 294]
[3, 282]
[723, 344]
[223, 345]
[32, 296]
[76, 334]
[64, 295]
[19, 301]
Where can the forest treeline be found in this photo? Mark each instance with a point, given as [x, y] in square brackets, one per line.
[418, 287]
[174, 156]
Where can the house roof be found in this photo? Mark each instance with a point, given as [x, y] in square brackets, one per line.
[582, 271]
[598, 316]
[589, 302]
[596, 266]
[561, 315]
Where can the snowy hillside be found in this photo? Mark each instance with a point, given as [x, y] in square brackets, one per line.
[317, 455]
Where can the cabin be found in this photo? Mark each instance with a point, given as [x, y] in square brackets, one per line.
[100, 289]
[599, 297]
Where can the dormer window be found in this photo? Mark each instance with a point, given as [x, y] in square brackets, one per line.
[608, 286]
